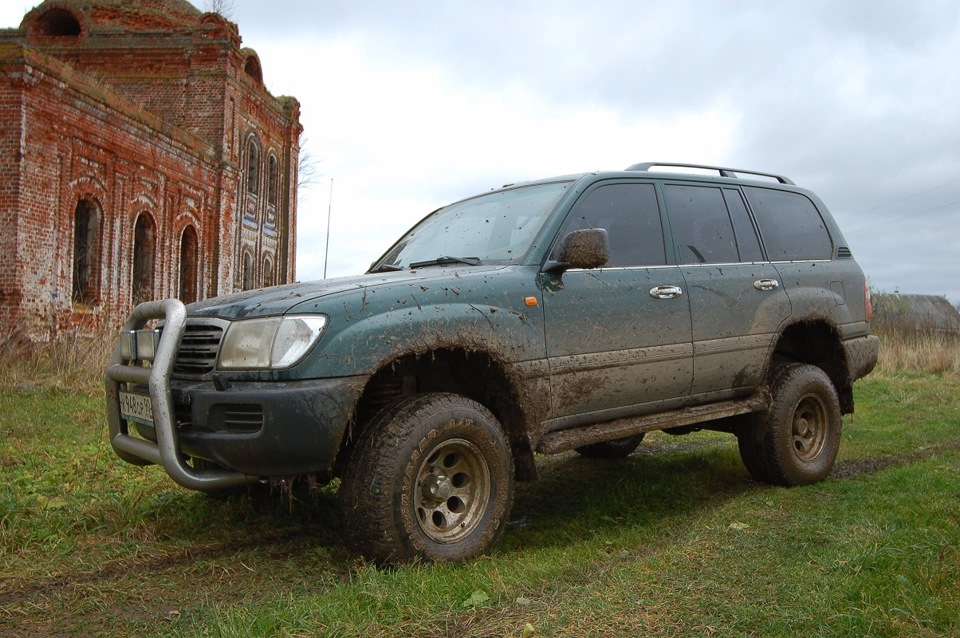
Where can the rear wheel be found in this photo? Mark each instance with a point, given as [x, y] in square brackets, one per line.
[794, 442]
[615, 449]
[432, 478]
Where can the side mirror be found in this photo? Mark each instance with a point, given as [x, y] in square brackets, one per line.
[586, 248]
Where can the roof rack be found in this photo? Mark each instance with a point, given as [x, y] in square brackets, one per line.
[724, 172]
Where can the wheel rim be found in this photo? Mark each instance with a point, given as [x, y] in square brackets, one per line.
[452, 491]
[811, 425]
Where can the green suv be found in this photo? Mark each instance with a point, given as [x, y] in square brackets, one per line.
[572, 313]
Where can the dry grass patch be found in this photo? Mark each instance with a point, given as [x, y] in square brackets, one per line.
[929, 352]
[75, 359]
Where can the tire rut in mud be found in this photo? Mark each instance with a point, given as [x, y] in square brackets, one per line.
[871, 465]
[157, 564]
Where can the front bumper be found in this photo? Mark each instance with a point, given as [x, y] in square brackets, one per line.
[249, 429]
[265, 429]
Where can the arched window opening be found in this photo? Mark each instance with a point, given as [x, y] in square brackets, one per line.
[252, 68]
[144, 251]
[247, 270]
[273, 174]
[58, 23]
[188, 265]
[253, 166]
[86, 252]
[267, 271]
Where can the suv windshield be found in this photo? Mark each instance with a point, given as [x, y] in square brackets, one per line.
[497, 228]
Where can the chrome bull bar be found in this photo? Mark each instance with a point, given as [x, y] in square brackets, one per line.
[166, 451]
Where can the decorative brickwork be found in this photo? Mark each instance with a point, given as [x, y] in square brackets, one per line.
[141, 158]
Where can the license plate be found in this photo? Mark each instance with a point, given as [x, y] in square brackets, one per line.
[136, 407]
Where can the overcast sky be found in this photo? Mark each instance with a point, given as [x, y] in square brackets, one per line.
[410, 105]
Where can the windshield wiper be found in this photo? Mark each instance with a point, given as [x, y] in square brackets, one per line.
[387, 268]
[446, 261]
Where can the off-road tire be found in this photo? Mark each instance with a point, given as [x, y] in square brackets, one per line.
[796, 440]
[431, 478]
[615, 449]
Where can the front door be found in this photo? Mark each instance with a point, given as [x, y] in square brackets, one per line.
[618, 337]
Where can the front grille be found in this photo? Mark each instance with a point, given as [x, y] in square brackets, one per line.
[199, 347]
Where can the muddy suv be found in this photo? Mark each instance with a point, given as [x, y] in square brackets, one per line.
[573, 313]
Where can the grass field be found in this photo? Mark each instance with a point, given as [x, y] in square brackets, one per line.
[674, 540]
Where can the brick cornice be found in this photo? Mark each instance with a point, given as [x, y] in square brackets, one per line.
[27, 66]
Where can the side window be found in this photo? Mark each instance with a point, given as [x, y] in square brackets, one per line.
[253, 166]
[188, 265]
[273, 172]
[631, 217]
[747, 243]
[267, 271]
[247, 272]
[86, 252]
[701, 225]
[790, 225]
[144, 249]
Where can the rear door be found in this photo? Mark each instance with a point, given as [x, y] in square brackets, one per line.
[618, 337]
[797, 242]
[736, 297]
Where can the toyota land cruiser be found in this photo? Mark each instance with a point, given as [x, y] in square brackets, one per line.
[572, 313]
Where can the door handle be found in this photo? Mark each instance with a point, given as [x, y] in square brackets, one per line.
[666, 292]
[766, 284]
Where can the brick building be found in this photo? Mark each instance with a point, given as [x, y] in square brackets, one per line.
[141, 158]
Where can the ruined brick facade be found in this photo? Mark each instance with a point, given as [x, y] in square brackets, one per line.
[141, 158]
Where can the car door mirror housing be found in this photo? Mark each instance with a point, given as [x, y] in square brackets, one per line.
[585, 248]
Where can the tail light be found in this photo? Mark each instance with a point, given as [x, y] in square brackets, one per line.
[867, 304]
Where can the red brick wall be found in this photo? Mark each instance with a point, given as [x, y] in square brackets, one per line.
[138, 124]
[9, 180]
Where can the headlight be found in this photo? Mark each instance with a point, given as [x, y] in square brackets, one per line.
[274, 342]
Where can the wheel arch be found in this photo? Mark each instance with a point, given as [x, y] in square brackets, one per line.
[817, 342]
[477, 374]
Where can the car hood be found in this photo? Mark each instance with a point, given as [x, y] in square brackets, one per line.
[278, 300]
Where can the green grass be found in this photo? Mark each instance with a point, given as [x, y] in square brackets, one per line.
[674, 540]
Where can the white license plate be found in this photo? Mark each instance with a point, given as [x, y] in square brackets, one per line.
[136, 407]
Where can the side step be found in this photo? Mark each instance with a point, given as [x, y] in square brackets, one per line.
[570, 439]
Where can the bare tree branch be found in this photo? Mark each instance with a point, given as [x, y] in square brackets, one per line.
[308, 166]
[223, 8]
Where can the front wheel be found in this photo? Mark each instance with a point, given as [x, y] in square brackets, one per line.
[432, 478]
[795, 441]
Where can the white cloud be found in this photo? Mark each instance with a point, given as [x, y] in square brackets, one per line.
[399, 142]
[854, 100]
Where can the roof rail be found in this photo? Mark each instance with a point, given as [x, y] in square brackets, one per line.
[724, 172]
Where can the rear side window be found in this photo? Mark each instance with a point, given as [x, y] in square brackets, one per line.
[701, 225]
[631, 216]
[790, 225]
[747, 242]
